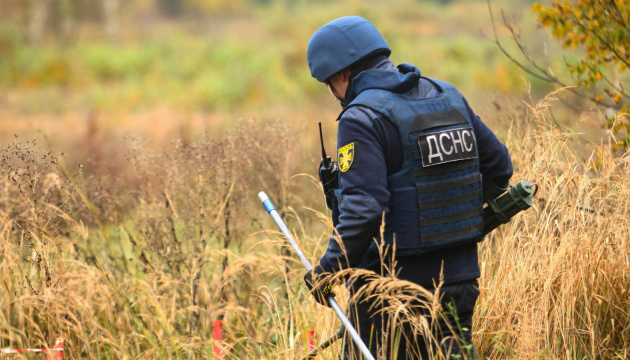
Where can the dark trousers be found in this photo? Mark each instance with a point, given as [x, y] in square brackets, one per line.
[408, 329]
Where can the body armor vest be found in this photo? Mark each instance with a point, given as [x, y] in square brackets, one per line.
[436, 197]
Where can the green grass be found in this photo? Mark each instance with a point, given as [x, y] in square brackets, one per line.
[249, 62]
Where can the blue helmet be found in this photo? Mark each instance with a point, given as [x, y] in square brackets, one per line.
[342, 43]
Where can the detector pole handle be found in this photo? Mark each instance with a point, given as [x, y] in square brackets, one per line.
[307, 264]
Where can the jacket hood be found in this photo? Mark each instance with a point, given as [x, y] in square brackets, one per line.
[382, 74]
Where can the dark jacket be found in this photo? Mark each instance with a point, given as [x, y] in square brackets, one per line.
[377, 154]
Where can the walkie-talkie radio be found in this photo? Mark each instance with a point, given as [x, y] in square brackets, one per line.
[327, 173]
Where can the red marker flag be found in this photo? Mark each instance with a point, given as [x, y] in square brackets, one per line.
[59, 348]
[311, 345]
[57, 351]
[218, 339]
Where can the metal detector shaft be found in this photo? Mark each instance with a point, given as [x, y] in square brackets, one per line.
[307, 264]
[338, 334]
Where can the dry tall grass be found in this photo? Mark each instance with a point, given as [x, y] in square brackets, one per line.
[140, 264]
[555, 282]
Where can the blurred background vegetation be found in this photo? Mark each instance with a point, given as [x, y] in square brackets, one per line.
[209, 57]
[183, 65]
[136, 134]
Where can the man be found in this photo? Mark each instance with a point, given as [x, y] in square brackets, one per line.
[411, 152]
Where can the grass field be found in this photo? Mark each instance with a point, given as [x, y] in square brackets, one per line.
[129, 220]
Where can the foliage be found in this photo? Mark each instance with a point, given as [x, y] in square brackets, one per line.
[602, 29]
[243, 61]
[599, 33]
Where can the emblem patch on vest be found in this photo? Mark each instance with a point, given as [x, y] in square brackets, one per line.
[345, 157]
[447, 146]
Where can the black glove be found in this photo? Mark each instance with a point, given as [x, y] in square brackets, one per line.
[319, 284]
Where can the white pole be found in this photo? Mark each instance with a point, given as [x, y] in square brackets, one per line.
[331, 300]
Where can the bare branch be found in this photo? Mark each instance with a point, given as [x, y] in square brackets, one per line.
[533, 68]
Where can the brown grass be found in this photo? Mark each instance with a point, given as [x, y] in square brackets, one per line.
[139, 261]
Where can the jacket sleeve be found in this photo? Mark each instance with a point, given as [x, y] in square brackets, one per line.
[364, 191]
